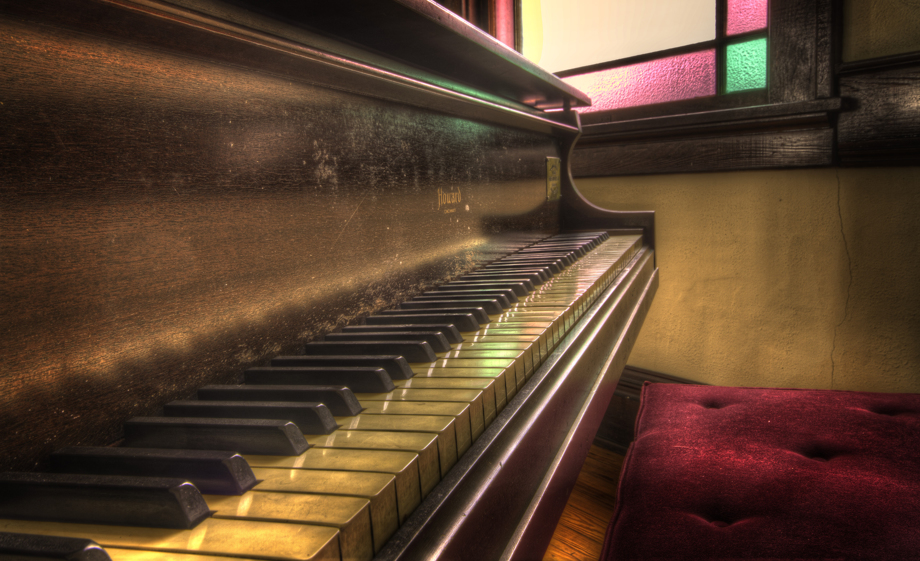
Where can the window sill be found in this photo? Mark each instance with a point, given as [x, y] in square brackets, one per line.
[782, 135]
[778, 115]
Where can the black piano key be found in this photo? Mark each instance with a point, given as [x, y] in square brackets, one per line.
[358, 379]
[555, 267]
[435, 339]
[213, 471]
[580, 234]
[395, 365]
[573, 239]
[586, 234]
[268, 437]
[448, 331]
[507, 293]
[584, 245]
[575, 250]
[566, 257]
[559, 245]
[503, 303]
[514, 276]
[23, 547]
[550, 249]
[463, 322]
[535, 278]
[489, 306]
[478, 313]
[545, 270]
[340, 400]
[543, 273]
[534, 273]
[413, 351]
[560, 241]
[159, 502]
[525, 283]
[578, 250]
[548, 252]
[519, 288]
[310, 417]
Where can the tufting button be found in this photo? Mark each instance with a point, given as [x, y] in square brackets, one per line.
[819, 453]
[719, 516]
[888, 412]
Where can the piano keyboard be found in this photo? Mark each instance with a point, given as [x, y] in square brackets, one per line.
[417, 412]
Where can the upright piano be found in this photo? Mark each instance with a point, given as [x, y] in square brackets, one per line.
[196, 191]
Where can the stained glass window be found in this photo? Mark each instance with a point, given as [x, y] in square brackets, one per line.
[562, 34]
[745, 15]
[725, 54]
[746, 65]
[656, 81]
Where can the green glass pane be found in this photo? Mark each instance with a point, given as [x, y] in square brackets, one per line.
[746, 65]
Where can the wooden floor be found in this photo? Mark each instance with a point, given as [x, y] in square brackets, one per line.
[580, 533]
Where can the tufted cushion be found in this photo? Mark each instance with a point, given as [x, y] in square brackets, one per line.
[751, 473]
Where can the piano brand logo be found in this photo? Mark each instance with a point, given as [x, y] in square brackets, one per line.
[448, 198]
[553, 178]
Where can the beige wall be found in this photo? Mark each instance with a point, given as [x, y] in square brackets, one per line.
[874, 28]
[806, 279]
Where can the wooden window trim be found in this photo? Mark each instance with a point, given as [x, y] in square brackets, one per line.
[483, 14]
[790, 124]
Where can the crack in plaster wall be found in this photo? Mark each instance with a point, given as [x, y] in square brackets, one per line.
[846, 303]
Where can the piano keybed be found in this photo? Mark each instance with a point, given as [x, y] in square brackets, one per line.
[347, 494]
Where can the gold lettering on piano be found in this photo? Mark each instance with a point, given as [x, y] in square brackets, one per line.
[448, 198]
[553, 178]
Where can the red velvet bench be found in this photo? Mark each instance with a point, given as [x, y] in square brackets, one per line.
[751, 473]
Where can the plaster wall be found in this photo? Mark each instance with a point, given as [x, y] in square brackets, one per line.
[804, 279]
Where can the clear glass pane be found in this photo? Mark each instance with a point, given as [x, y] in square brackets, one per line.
[745, 15]
[562, 34]
[667, 79]
[746, 65]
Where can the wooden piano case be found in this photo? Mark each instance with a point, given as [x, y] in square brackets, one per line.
[191, 187]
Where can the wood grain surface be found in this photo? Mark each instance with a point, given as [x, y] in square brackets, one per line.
[169, 219]
[781, 149]
[793, 68]
[579, 536]
[884, 127]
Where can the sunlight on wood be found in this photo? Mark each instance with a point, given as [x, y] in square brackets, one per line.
[579, 536]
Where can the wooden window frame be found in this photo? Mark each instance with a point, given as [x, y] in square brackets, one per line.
[483, 14]
[881, 126]
[718, 44]
[789, 124]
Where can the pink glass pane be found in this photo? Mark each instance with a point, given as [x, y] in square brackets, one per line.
[656, 81]
[745, 15]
